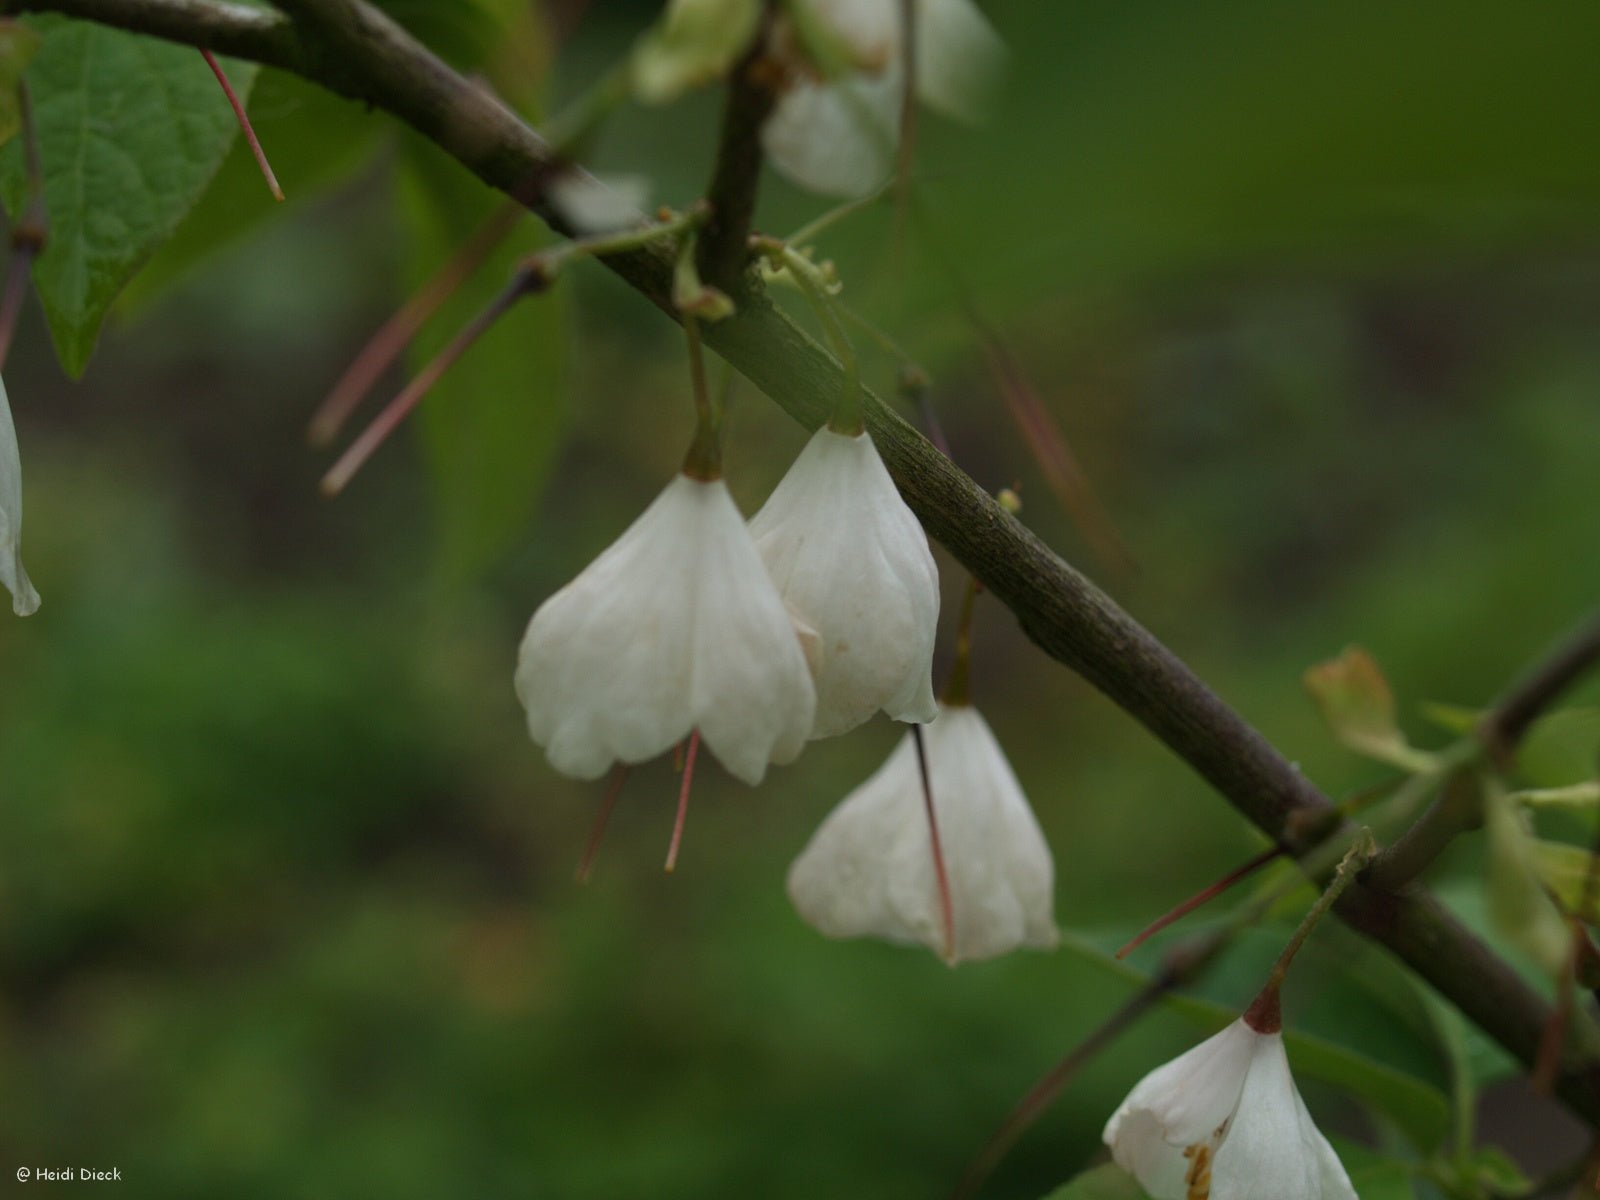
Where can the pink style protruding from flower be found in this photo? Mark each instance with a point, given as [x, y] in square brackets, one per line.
[869, 871]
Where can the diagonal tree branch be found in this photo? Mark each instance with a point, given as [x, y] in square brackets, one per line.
[354, 50]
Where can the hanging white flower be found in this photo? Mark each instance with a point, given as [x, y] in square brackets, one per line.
[869, 869]
[24, 599]
[852, 563]
[1225, 1121]
[838, 136]
[675, 627]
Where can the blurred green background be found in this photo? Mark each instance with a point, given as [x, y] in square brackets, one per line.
[286, 895]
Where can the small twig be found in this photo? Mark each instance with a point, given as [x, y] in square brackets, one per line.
[736, 176]
[1458, 809]
[1063, 472]
[1204, 896]
[1503, 727]
[817, 226]
[244, 125]
[380, 353]
[385, 423]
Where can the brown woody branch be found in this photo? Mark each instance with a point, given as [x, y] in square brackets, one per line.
[356, 51]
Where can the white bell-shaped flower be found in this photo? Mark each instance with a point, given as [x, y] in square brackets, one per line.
[869, 870]
[24, 599]
[839, 136]
[852, 563]
[1225, 1121]
[675, 627]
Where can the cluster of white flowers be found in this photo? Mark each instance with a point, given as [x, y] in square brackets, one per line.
[802, 624]
[840, 66]
[837, 133]
[822, 611]
[24, 599]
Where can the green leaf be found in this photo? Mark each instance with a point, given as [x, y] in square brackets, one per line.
[1359, 708]
[1108, 1182]
[1518, 903]
[313, 138]
[1565, 870]
[131, 130]
[491, 426]
[18, 45]
[1375, 1176]
[1452, 718]
[1496, 1173]
[1412, 1095]
[1561, 748]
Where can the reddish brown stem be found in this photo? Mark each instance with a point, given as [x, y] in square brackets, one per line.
[244, 124]
[379, 354]
[683, 801]
[947, 912]
[619, 776]
[1203, 896]
[400, 407]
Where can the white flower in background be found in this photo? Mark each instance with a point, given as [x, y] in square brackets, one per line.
[1225, 1121]
[593, 205]
[869, 869]
[675, 627]
[839, 135]
[24, 600]
[693, 43]
[853, 565]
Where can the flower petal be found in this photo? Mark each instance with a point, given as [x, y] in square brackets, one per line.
[24, 599]
[1186, 1102]
[869, 869]
[674, 626]
[959, 58]
[852, 563]
[836, 138]
[1271, 1151]
[751, 691]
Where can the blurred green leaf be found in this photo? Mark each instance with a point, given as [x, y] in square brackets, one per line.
[1496, 1173]
[1359, 708]
[1106, 1182]
[18, 45]
[131, 130]
[1518, 903]
[1418, 1106]
[1565, 869]
[314, 140]
[1561, 748]
[491, 426]
[1375, 1176]
[1452, 718]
